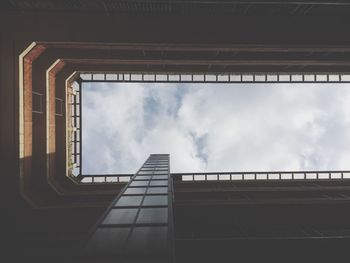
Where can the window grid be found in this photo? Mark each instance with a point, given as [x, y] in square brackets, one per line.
[138, 210]
[233, 77]
[224, 176]
[237, 77]
[76, 131]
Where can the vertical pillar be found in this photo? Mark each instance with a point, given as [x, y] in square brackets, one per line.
[138, 226]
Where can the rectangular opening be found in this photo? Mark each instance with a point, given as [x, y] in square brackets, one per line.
[59, 107]
[37, 102]
[217, 122]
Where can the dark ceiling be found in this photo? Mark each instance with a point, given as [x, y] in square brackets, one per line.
[207, 7]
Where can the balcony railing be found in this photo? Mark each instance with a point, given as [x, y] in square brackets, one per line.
[75, 131]
[173, 77]
[228, 176]
[218, 77]
[105, 178]
[249, 176]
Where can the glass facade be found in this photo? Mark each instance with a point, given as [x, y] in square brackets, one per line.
[139, 221]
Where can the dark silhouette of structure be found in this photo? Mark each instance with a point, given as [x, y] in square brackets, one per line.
[49, 213]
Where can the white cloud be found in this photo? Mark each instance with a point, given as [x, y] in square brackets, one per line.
[212, 127]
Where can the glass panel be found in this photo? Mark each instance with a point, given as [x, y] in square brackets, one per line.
[286, 176]
[159, 177]
[346, 175]
[335, 175]
[273, 176]
[157, 190]
[224, 177]
[149, 77]
[334, 77]
[147, 177]
[174, 77]
[124, 178]
[210, 77]
[321, 77]
[284, 77]
[139, 183]
[187, 178]
[121, 216]
[323, 175]
[161, 172]
[260, 78]
[345, 77]
[129, 201]
[271, 77]
[111, 179]
[146, 169]
[85, 76]
[261, 176]
[111, 77]
[299, 176]
[199, 177]
[155, 200]
[160, 77]
[148, 240]
[144, 173]
[136, 77]
[108, 241]
[99, 180]
[249, 176]
[222, 77]
[309, 77]
[159, 183]
[87, 180]
[235, 77]
[237, 177]
[247, 78]
[152, 215]
[136, 190]
[311, 176]
[297, 78]
[212, 177]
[98, 76]
[185, 77]
[198, 77]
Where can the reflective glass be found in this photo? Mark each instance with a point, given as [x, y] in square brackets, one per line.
[152, 215]
[136, 190]
[159, 183]
[155, 200]
[129, 201]
[148, 240]
[120, 216]
[139, 183]
[160, 177]
[157, 190]
[108, 241]
[145, 177]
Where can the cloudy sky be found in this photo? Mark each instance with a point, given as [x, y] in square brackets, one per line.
[216, 127]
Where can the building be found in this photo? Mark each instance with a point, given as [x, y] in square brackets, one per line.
[46, 45]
